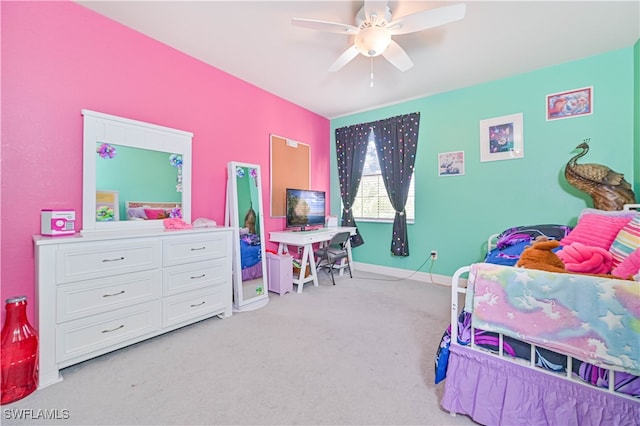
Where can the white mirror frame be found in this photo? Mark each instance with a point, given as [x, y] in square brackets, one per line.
[100, 127]
[232, 218]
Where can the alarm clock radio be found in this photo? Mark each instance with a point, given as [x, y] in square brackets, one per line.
[57, 222]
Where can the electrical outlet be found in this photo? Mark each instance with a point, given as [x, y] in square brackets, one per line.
[299, 250]
[434, 255]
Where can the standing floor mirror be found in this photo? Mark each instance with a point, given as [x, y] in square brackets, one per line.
[244, 212]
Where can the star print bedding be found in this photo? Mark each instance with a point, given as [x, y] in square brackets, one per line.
[596, 320]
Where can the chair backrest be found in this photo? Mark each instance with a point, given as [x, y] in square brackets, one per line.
[339, 239]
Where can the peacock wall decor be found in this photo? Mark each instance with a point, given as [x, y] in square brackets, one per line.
[608, 189]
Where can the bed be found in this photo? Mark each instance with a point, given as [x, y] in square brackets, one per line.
[536, 347]
[152, 210]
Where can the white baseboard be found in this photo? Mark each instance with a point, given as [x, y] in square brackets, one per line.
[403, 273]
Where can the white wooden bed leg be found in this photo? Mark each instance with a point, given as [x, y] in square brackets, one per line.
[452, 414]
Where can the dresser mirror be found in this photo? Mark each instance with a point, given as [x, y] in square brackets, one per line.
[244, 213]
[135, 174]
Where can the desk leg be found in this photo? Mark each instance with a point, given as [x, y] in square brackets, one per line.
[283, 249]
[307, 256]
[312, 263]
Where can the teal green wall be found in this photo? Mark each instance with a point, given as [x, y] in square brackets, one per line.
[248, 197]
[455, 215]
[138, 175]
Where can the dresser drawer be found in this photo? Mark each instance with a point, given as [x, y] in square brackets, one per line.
[84, 298]
[91, 334]
[185, 307]
[192, 249]
[192, 276]
[94, 260]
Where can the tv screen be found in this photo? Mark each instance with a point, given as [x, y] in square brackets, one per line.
[305, 208]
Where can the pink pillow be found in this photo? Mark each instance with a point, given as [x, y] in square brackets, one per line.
[630, 266]
[580, 258]
[596, 230]
[156, 213]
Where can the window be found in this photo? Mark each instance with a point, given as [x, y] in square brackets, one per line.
[372, 202]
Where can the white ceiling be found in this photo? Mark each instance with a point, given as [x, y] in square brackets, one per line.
[256, 42]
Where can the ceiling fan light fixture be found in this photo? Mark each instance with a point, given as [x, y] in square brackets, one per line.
[372, 41]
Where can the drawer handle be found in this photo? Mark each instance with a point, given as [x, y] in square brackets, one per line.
[199, 276]
[113, 329]
[113, 294]
[199, 304]
[199, 248]
[113, 260]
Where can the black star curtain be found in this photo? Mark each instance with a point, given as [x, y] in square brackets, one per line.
[351, 150]
[396, 142]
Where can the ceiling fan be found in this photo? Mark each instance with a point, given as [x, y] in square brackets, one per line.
[374, 29]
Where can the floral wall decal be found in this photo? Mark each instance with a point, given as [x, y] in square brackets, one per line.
[106, 150]
[176, 161]
[104, 214]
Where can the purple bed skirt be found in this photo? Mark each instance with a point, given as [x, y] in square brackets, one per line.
[252, 272]
[498, 392]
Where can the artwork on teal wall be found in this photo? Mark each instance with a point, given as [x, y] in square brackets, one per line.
[501, 138]
[572, 103]
[451, 163]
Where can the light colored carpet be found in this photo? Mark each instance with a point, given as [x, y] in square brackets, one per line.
[357, 353]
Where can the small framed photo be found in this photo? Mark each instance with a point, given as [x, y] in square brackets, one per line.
[573, 103]
[501, 138]
[451, 163]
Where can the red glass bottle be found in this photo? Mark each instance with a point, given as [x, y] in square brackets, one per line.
[19, 358]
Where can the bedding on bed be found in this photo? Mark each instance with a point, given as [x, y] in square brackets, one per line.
[143, 210]
[590, 318]
[621, 304]
[545, 359]
[511, 242]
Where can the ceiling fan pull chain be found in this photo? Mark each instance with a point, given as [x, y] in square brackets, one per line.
[371, 85]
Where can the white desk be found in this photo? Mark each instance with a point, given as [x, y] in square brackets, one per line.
[306, 239]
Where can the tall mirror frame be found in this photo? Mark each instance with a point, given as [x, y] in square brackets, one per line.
[245, 214]
[100, 128]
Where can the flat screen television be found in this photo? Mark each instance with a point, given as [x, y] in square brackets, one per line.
[305, 208]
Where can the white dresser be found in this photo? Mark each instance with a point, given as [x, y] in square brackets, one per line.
[99, 293]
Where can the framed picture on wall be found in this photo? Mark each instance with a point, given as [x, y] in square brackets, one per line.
[451, 163]
[572, 103]
[501, 138]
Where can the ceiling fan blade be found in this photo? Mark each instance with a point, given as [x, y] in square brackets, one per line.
[332, 27]
[344, 59]
[427, 19]
[397, 56]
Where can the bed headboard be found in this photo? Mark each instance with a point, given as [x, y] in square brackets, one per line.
[144, 210]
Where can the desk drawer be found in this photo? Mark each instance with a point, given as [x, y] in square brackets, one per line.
[95, 260]
[88, 335]
[192, 276]
[84, 298]
[185, 307]
[193, 249]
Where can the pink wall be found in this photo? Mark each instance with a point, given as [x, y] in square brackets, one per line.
[58, 58]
